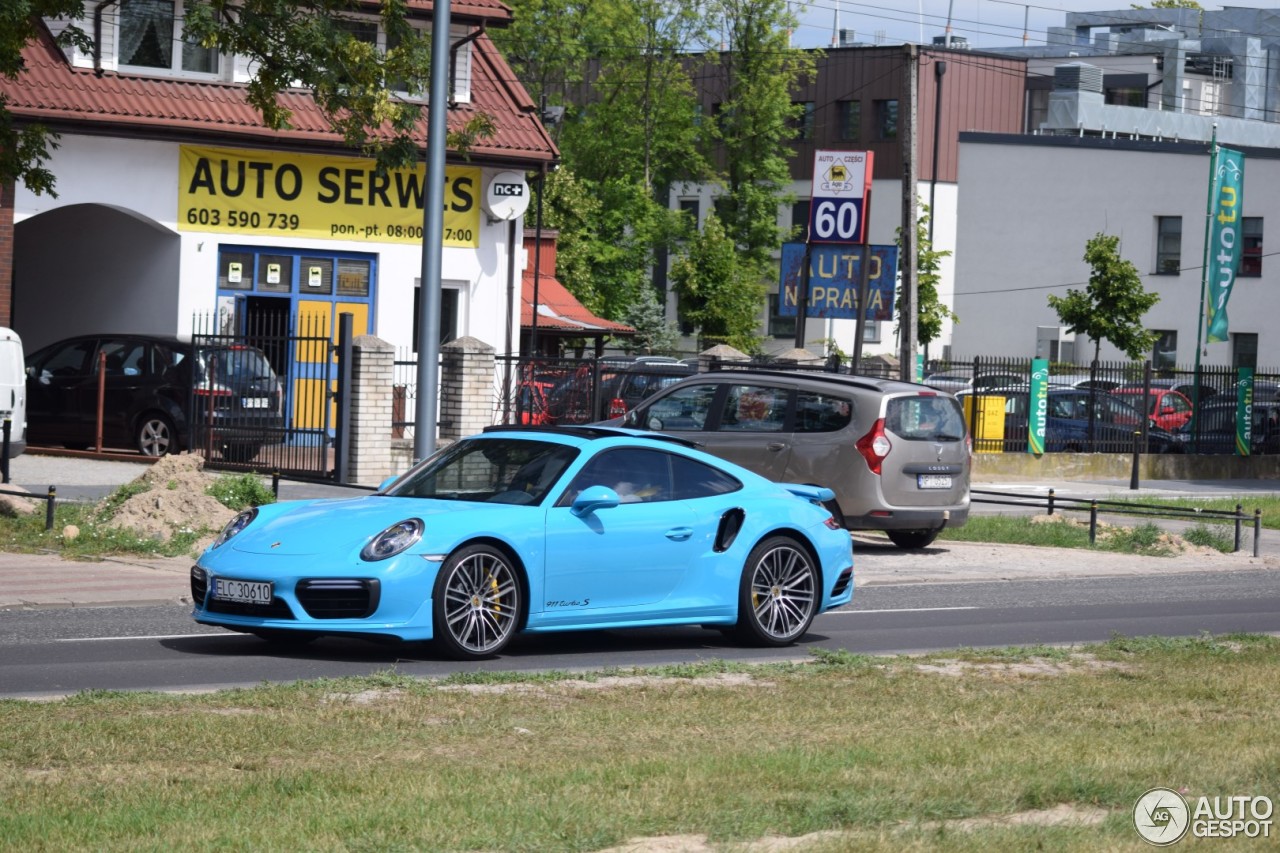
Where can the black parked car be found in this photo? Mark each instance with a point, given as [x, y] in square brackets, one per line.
[160, 395]
[1215, 428]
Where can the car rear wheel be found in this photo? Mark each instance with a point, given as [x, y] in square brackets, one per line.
[912, 539]
[476, 603]
[778, 593]
[155, 435]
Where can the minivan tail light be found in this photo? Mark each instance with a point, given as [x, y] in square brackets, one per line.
[617, 408]
[874, 446]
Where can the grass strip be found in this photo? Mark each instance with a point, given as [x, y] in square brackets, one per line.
[880, 753]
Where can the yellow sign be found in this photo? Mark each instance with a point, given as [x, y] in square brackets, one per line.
[232, 191]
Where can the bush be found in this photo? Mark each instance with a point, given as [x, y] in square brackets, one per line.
[240, 491]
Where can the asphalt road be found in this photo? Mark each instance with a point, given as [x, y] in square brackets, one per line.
[61, 651]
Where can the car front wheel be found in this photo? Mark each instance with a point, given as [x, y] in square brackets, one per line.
[155, 436]
[912, 539]
[476, 603]
[778, 593]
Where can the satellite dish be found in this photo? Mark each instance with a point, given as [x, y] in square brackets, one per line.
[507, 196]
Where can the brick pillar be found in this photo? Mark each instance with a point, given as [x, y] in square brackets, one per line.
[6, 255]
[372, 366]
[467, 399]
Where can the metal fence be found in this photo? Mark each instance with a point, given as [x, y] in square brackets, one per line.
[263, 396]
[1110, 407]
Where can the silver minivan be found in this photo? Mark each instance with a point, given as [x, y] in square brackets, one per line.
[897, 454]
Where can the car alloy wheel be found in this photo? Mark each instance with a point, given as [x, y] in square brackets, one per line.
[155, 436]
[778, 596]
[477, 603]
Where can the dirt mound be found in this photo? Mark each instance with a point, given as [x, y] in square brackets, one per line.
[173, 499]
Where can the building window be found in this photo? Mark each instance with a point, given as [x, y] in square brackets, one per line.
[779, 326]
[1168, 245]
[802, 119]
[1244, 349]
[871, 332]
[800, 220]
[850, 120]
[1126, 97]
[149, 29]
[1251, 235]
[887, 119]
[1164, 353]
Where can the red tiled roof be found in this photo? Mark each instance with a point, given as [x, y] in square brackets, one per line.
[68, 99]
[560, 311]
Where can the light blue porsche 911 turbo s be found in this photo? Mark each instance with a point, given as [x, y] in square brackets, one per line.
[534, 530]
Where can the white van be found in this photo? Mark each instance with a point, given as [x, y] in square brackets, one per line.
[13, 390]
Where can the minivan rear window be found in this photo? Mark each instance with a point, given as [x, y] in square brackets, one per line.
[924, 418]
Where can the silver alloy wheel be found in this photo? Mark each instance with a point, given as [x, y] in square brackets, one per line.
[782, 592]
[155, 436]
[481, 602]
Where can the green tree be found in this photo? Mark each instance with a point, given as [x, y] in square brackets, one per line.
[756, 119]
[719, 288]
[1112, 305]
[932, 312]
[24, 149]
[654, 335]
[635, 132]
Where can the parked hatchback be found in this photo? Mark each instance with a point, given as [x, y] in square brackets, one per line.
[157, 392]
[896, 454]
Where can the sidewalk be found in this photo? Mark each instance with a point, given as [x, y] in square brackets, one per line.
[42, 580]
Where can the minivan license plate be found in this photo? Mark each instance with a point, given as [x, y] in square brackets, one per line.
[245, 592]
[255, 402]
[933, 481]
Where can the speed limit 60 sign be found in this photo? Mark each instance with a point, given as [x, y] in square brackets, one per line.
[841, 183]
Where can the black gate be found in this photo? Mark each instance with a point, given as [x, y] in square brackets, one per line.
[265, 395]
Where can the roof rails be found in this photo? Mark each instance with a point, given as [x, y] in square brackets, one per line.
[867, 382]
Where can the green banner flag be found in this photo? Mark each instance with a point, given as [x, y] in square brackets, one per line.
[1222, 252]
[1244, 411]
[1039, 416]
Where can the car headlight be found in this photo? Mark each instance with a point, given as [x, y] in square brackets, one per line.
[235, 525]
[393, 540]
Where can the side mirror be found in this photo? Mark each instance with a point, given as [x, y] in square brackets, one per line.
[630, 419]
[593, 498]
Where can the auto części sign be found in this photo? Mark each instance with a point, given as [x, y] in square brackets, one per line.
[838, 199]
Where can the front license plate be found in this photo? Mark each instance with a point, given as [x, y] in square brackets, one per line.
[255, 402]
[245, 592]
[933, 481]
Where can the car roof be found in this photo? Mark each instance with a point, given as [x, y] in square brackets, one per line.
[589, 432]
[818, 377]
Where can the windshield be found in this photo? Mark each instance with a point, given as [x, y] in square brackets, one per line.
[497, 470]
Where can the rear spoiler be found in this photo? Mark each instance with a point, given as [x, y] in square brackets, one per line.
[817, 494]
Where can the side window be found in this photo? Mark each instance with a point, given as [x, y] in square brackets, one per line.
[693, 479]
[1176, 404]
[125, 358]
[683, 410]
[637, 475]
[754, 408]
[821, 412]
[71, 360]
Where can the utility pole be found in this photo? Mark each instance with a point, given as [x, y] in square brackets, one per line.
[907, 317]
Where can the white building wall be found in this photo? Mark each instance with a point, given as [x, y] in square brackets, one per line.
[1029, 206]
[141, 177]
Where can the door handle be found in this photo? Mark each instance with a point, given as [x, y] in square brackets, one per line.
[776, 445]
[679, 534]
